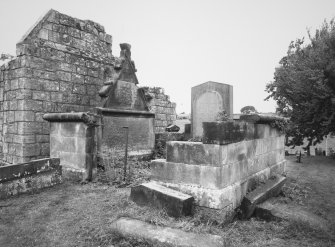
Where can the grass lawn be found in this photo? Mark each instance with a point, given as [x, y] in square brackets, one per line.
[72, 214]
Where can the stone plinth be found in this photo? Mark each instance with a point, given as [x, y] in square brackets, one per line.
[72, 140]
[208, 99]
[219, 174]
[29, 177]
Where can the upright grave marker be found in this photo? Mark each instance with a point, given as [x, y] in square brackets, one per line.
[207, 100]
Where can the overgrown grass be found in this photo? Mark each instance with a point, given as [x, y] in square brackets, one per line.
[81, 215]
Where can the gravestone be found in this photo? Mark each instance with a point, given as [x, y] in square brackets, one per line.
[208, 99]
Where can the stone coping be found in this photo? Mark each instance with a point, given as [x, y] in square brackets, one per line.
[85, 117]
[113, 111]
[15, 171]
[259, 118]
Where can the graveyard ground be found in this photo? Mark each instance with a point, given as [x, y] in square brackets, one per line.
[74, 214]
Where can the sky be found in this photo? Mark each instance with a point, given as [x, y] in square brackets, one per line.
[178, 44]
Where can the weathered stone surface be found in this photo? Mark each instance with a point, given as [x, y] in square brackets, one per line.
[165, 235]
[208, 99]
[236, 131]
[50, 76]
[213, 196]
[71, 140]
[125, 95]
[160, 104]
[70, 117]
[28, 177]
[206, 176]
[216, 166]
[271, 188]
[196, 153]
[225, 132]
[140, 126]
[153, 194]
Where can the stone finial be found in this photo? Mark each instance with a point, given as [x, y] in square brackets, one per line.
[125, 50]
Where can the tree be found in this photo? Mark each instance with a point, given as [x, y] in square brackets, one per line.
[5, 56]
[304, 86]
[249, 109]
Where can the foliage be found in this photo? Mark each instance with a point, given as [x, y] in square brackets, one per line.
[281, 125]
[222, 116]
[159, 151]
[5, 56]
[249, 109]
[111, 168]
[195, 139]
[304, 86]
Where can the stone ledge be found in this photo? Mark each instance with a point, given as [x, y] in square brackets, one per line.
[262, 119]
[29, 177]
[165, 235]
[121, 112]
[16, 171]
[85, 117]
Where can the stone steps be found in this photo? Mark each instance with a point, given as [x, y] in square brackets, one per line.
[153, 194]
[271, 188]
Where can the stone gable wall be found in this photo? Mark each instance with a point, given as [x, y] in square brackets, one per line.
[160, 104]
[60, 66]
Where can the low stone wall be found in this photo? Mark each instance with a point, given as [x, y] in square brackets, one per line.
[160, 104]
[29, 177]
[234, 160]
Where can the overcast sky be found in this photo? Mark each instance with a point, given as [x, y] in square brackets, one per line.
[178, 44]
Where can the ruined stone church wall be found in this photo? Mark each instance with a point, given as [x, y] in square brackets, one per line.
[160, 104]
[60, 66]
[1, 114]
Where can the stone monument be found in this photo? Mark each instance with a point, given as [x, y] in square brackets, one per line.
[207, 100]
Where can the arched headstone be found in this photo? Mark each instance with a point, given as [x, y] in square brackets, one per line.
[208, 99]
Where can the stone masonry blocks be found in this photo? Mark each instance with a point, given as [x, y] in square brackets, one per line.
[59, 67]
[196, 153]
[29, 177]
[160, 104]
[73, 142]
[219, 175]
